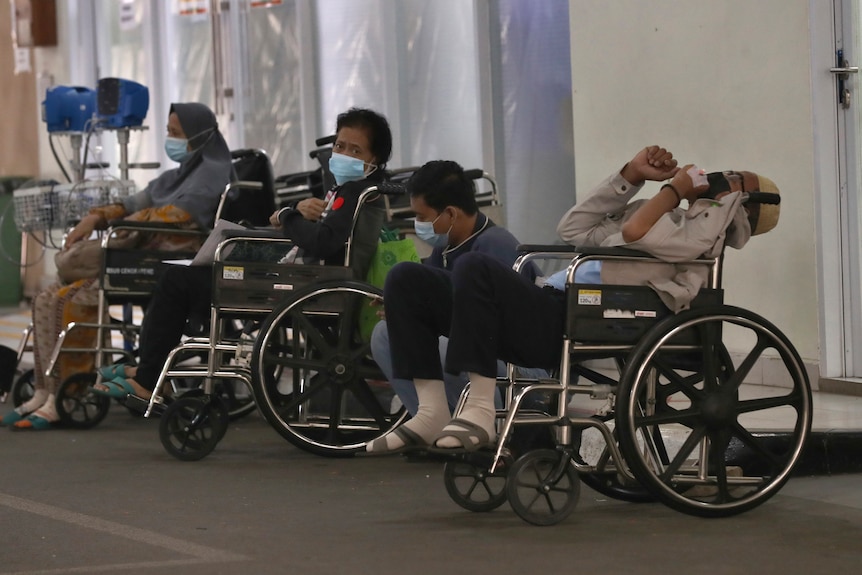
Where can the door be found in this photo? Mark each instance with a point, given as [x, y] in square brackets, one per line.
[839, 206]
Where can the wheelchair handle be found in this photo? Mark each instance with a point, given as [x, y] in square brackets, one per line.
[474, 174]
[325, 140]
[392, 189]
[763, 198]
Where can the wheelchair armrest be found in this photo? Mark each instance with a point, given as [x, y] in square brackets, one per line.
[244, 185]
[613, 252]
[547, 248]
[253, 234]
[128, 225]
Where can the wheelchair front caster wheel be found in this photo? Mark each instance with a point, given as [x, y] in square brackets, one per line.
[191, 427]
[543, 487]
[473, 486]
[22, 389]
[77, 405]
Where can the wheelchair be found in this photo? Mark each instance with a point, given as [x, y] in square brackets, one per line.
[127, 281]
[675, 426]
[305, 358]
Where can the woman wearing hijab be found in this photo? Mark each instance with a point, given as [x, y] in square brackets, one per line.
[186, 197]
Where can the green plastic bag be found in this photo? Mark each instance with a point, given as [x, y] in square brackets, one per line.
[389, 252]
[387, 255]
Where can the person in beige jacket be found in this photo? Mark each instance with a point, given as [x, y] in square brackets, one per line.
[490, 312]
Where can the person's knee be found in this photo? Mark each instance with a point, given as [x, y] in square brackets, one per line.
[475, 268]
[401, 278]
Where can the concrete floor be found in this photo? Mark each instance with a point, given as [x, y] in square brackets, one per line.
[111, 500]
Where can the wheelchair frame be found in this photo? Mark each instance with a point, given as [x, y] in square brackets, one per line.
[76, 405]
[190, 428]
[723, 467]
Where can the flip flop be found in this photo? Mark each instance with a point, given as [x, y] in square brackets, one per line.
[471, 436]
[32, 422]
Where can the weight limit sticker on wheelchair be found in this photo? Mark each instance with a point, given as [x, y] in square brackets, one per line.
[589, 297]
[233, 273]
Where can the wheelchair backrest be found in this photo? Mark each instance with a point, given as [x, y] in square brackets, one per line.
[249, 286]
[368, 221]
[248, 205]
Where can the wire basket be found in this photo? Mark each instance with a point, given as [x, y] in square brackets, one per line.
[43, 208]
[34, 208]
[74, 202]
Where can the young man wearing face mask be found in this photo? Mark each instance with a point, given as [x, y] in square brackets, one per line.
[448, 218]
[318, 227]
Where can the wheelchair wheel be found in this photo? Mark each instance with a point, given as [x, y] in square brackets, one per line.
[682, 419]
[22, 389]
[191, 427]
[234, 394]
[77, 405]
[543, 487]
[313, 376]
[471, 485]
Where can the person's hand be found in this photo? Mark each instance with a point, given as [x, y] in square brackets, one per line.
[273, 219]
[82, 231]
[651, 163]
[311, 208]
[685, 186]
[380, 312]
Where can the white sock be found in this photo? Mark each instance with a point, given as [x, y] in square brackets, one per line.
[431, 416]
[478, 409]
[48, 410]
[34, 403]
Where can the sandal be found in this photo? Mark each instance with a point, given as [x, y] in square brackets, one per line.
[109, 372]
[32, 422]
[411, 439]
[471, 436]
[11, 418]
[116, 388]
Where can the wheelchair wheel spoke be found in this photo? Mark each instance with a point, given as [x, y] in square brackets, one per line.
[747, 364]
[682, 454]
[302, 324]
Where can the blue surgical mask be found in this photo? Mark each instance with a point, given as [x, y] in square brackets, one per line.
[177, 149]
[346, 168]
[425, 232]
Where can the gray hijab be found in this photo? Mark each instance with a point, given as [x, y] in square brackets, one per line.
[197, 184]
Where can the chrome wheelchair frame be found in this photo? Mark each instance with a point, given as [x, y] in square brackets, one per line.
[292, 362]
[676, 429]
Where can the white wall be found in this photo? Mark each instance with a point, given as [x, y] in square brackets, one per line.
[724, 85]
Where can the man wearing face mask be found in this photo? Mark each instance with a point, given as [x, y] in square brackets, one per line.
[318, 227]
[448, 218]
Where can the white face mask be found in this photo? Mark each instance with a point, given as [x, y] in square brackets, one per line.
[177, 149]
[347, 168]
[425, 232]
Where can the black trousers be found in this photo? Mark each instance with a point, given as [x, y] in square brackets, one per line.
[182, 292]
[487, 310]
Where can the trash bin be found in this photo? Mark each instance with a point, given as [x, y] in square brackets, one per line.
[10, 243]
